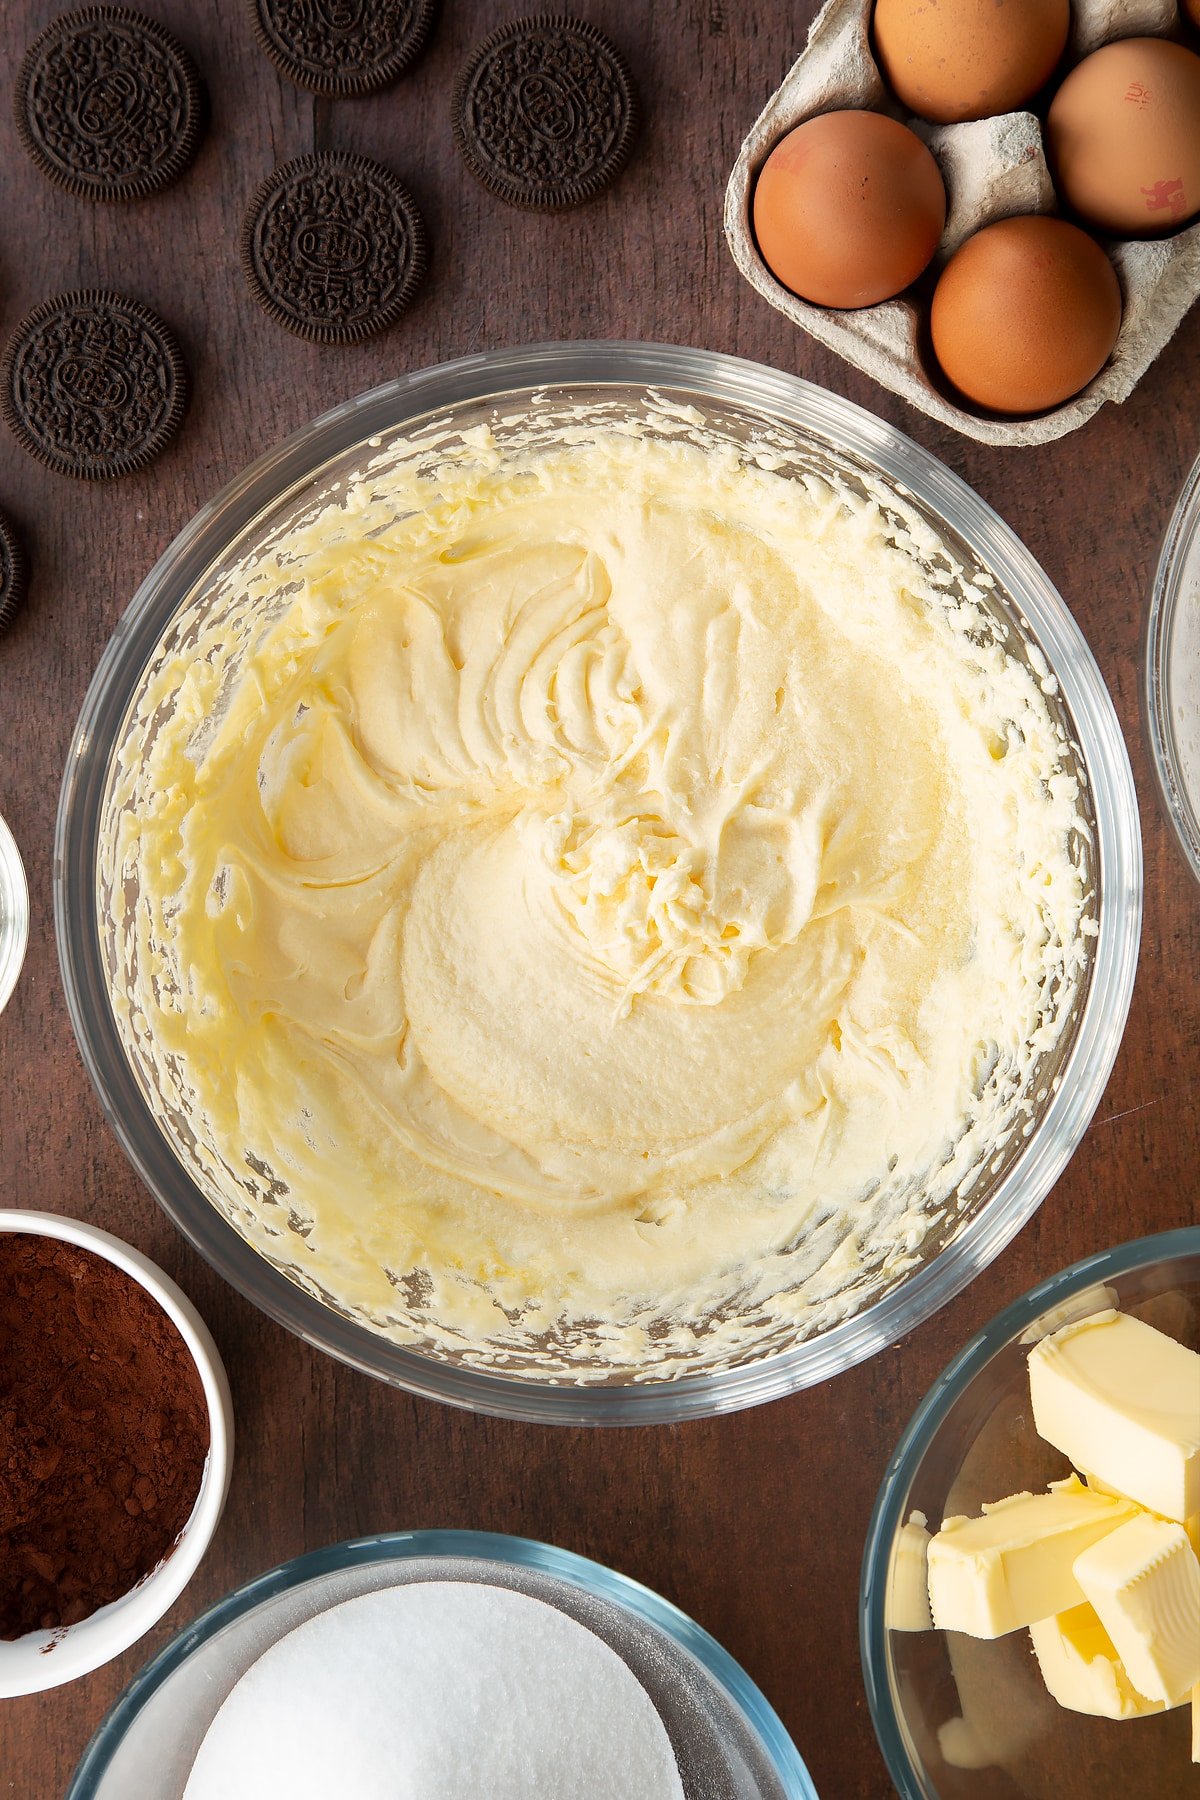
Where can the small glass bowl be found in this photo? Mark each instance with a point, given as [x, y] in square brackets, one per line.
[824, 434]
[48, 1659]
[14, 914]
[145, 1748]
[941, 1702]
[1171, 671]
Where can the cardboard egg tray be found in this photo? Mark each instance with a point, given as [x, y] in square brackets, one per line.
[992, 168]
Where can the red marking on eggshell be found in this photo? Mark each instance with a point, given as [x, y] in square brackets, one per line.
[1166, 195]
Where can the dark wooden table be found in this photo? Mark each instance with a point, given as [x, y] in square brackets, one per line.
[753, 1524]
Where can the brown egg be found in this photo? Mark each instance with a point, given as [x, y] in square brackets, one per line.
[1190, 12]
[1025, 313]
[968, 59]
[1124, 137]
[848, 208]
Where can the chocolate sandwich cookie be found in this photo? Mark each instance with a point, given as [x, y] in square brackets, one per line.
[545, 112]
[93, 384]
[333, 247]
[109, 104]
[341, 48]
[14, 574]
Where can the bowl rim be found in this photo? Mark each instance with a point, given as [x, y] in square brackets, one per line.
[1166, 594]
[918, 1434]
[14, 886]
[776, 395]
[47, 1659]
[486, 1546]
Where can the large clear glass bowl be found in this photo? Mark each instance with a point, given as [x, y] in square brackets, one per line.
[729, 1743]
[745, 404]
[1171, 671]
[939, 1700]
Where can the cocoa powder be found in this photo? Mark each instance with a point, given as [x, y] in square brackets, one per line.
[103, 1433]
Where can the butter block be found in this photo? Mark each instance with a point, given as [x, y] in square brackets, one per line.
[1193, 1530]
[1015, 1564]
[908, 1589]
[1143, 1580]
[1081, 1668]
[1123, 1400]
[1102, 1487]
[1097, 1298]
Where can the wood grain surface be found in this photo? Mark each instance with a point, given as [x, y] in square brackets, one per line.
[754, 1524]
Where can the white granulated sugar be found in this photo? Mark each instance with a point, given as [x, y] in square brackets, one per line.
[440, 1690]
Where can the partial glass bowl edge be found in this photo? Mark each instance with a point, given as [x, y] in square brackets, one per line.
[1087, 1277]
[1179, 559]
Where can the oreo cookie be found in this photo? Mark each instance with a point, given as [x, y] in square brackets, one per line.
[14, 574]
[333, 247]
[93, 384]
[341, 48]
[109, 104]
[545, 112]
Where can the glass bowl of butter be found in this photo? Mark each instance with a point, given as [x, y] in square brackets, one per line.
[598, 883]
[1030, 1606]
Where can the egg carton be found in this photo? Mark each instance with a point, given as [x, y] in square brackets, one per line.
[992, 168]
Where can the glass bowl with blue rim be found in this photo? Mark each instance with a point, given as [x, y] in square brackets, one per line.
[728, 1741]
[961, 1718]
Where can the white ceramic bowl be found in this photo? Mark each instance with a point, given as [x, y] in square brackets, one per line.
[47, 1659]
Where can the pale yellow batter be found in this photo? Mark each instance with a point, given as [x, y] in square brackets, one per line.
[614, 881]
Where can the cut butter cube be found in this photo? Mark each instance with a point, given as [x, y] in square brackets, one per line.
[1081, 1668]
[1123, 1400]
[1103, 1487]
[1143, 1580]
[1097, 1298]
[1193, 1530]
[908, 1591]
[1014, 1565]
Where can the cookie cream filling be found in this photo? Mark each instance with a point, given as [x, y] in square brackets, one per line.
[596, 903]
